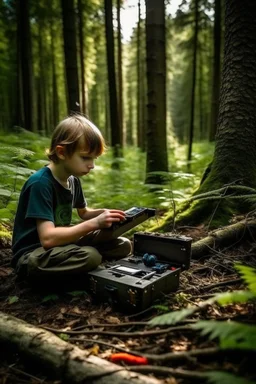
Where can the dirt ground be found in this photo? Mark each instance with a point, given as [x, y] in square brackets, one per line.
[104, 331]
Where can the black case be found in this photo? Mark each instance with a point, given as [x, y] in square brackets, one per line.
[130, 285]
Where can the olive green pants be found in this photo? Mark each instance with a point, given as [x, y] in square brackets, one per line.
[72, 261]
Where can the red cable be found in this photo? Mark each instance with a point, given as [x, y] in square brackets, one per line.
[128, 359]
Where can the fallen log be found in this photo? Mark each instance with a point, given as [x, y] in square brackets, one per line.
[227, 236]
[64, 361]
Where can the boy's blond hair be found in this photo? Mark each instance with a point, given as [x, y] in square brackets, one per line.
[70, 130]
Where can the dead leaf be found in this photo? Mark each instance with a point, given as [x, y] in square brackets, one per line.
[106, 354]
[93, 320]
[170, 380]
[108, 309]
[112, 320]
[76, 310]
[5, 271]
[216, 311]
[71, 323]
[94, 350]
[131, 342]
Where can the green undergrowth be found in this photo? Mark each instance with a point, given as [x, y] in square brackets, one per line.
[230, 335]
[22, 153]
[214, 208]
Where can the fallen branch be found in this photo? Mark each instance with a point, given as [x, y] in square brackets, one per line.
[181, 373]
[65, 361]
[183, 355]
[170, 356]
[227, 236]
[110, 325]
[143, 334]
[223, 283]
[215, 285]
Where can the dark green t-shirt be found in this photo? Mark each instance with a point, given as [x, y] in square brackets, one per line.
[43, 197]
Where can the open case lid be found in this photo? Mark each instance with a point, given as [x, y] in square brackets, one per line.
[172, 248]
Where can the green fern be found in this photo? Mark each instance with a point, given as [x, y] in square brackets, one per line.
[230, 334]
[172, 318]
[249, 276]
[19, 152]
[222, 299]
[5, 214]
[217, 377]
[14, 169]
[5, 192]
[234, 297]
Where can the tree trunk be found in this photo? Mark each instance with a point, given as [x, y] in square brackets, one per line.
[236, 135]
[114, 116]
[193, 89]
[80, 8]
[139, 80]
[27, 77]
[41, 108]
[69, 34]
[131, 107]
[216, 69]
[157, 159]
[143, 98]
[65, 361]
[55, 95]
[120, 71]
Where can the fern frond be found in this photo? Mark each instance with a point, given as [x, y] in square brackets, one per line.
[222, 299]
[14, 169]
[5, 192]
[234, 297]
[249, 276]
[230, 334]
[5, 214]
[17, 151]
[172, 317]
[217, 377]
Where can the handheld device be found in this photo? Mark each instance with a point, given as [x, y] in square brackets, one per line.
[133, 217]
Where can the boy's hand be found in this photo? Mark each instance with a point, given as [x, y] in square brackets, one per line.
[108, 217]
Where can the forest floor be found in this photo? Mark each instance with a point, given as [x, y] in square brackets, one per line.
[103, 331]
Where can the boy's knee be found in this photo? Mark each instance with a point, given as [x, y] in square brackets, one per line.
[93, 258]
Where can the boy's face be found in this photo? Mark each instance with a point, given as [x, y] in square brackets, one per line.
[80, 163]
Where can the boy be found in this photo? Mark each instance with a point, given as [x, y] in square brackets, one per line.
[45, 246]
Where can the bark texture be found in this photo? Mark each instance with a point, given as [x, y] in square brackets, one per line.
[112, 88]
[70, 51]
[157, 159]
[65, 361]
[235, 155]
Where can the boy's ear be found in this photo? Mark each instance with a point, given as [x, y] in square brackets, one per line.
[60, 152]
